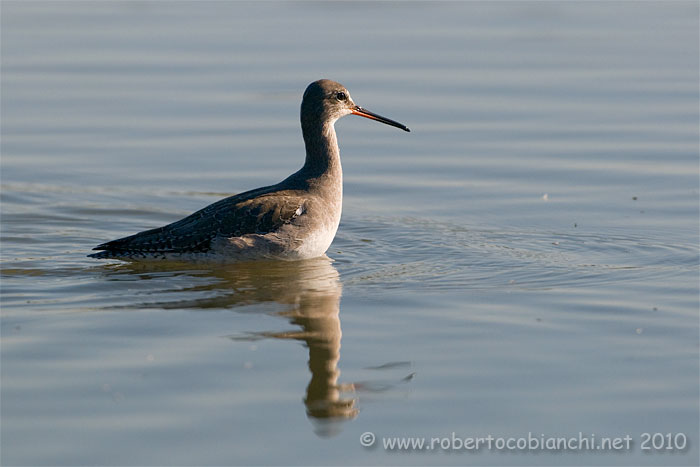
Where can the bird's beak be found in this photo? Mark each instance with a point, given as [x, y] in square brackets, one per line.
[357, 110]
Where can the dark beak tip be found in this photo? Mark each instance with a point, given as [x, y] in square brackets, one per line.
[362, 112]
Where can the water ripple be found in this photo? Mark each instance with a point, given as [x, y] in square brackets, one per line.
[427, 255]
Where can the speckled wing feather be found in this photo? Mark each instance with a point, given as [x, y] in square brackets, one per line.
[254, 212]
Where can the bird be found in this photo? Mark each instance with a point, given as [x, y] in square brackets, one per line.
[294, 219]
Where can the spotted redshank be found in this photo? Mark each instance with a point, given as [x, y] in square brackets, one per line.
[295, 219]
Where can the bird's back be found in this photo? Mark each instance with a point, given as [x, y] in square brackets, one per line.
[260, 211]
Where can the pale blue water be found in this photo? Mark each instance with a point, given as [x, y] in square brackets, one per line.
[525, 260]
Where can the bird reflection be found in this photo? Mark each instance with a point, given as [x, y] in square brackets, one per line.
[310, 291]
[317, 313]
[314, 296]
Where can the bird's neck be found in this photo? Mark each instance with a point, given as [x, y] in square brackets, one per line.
[322, 153]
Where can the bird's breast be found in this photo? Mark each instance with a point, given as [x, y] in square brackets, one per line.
[315, 229]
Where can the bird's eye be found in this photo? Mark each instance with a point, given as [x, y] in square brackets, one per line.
[341, 96]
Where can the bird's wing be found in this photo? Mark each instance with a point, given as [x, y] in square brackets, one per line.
[254, 212]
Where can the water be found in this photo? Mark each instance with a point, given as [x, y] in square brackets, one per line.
[525, 260]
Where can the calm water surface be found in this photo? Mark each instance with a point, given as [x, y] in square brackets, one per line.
[525, 260]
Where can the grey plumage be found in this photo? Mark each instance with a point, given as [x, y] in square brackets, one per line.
[296, 218]
[260, 211]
